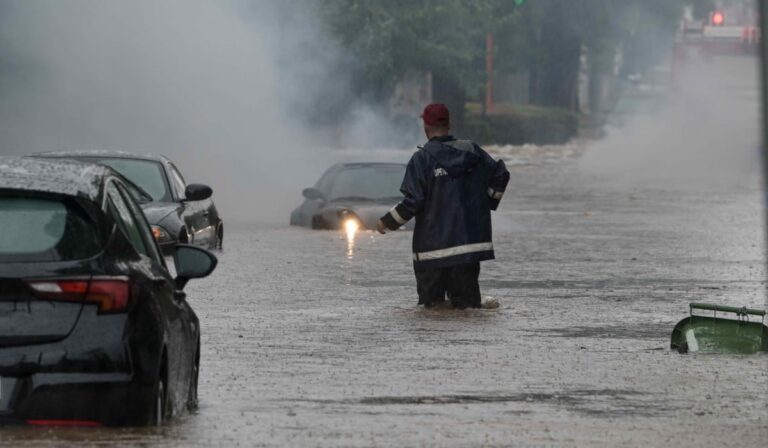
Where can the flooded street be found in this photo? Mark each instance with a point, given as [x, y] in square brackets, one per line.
[312, 339]
[309, 339]
[591, 282]
[638, 191]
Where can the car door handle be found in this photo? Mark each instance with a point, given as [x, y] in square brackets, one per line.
[205, 212]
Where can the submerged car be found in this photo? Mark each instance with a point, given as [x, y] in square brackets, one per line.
[94, 329]
[358, 193]
[178, 212]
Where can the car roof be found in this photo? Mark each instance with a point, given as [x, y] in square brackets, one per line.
[101, 153]
[65, 177]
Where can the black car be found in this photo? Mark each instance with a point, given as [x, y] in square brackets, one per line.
[178, 212]
[357, 192]
[94, 330]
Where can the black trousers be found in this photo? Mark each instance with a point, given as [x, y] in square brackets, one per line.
[460, 282]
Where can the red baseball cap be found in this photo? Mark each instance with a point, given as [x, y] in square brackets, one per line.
[436, 114]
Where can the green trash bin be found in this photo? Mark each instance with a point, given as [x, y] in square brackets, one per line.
[714, 334]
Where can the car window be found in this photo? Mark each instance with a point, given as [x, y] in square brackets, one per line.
[122, 215]
[45, 229]
[178, 181]
[147, 174]
[324, 183]
[143, 226]
[371, 182]
[137, 193]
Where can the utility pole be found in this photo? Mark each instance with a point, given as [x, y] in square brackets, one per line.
[489, 73]
[763, 25]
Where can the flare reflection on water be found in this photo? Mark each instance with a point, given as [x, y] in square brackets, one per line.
[351, 226]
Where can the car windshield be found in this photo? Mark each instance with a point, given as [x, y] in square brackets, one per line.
[44, 230]
[369, 182]
[146, 174]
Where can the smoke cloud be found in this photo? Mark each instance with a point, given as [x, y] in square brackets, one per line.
[704, 134]
[243, 94]
[221, 87]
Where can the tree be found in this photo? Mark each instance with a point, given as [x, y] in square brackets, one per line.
[547, 38]
[444, 37]
[564, 30]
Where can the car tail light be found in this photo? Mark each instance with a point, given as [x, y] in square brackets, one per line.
[110, 294]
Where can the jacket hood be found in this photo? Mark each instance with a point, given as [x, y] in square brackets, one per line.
[456, 157]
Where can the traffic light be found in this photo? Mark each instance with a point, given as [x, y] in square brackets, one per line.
[717, 18]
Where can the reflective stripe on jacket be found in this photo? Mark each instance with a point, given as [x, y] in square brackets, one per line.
[450, 187]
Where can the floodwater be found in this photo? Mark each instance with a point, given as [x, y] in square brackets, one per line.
[313, 339]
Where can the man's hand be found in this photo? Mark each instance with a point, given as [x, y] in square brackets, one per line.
[381, 227]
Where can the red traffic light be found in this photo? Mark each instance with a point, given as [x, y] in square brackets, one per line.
[718, 18]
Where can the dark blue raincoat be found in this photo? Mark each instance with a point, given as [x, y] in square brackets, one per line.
[450, 187]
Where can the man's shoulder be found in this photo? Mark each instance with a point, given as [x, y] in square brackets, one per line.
[463, 145]
[421, 152]
[421, 160]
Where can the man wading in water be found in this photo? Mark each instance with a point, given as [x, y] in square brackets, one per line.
[450, 187]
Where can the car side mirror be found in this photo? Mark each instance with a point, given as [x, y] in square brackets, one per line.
[313, 194]
[192, 262]
[197, 192]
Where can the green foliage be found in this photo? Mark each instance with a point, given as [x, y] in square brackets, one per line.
[391, 38]
[394, 37]
[525, 124]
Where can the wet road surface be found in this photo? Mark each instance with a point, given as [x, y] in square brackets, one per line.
[311, 339]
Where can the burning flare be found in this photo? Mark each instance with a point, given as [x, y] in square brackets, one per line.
[351, 226]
